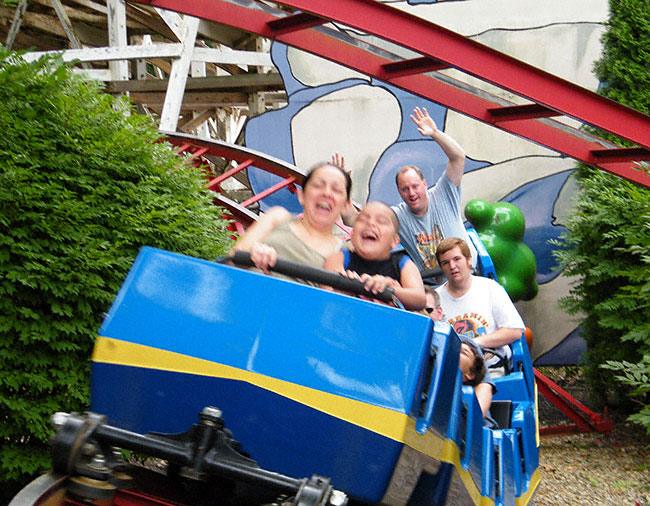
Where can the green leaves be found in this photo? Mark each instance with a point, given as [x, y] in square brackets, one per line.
[607, 245]
[82, 189]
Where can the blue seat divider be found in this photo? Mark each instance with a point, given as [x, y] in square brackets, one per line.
[484, 264]
[513, 466]
[472, 458]
[523, 363]
[523, 420]
[446, 347]
[487, 484]
[503, 472]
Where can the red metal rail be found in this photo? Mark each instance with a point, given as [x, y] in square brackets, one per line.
[584, 419]
[438, 48]
[201, 148]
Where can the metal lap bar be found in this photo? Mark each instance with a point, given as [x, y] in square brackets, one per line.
[213, 184]
[295, 22]
[282, 184]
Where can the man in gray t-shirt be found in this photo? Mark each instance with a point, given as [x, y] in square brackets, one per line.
[427, 216]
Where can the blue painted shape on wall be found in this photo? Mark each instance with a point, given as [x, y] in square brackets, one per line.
[537, 200]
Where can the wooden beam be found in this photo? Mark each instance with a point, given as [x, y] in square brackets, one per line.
[199, 125]
[178, 77]
[15, 24]
[153, 23]
[67, 25]
[244, 82]
[170, 50]
[193, 101]
[117, 38]
[163, 65]
[193, 123]
[39, 22]
[74, 14]
[41, 41]
[97, 7]
[173, 21]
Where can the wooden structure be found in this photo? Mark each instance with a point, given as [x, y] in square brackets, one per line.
[197, 76]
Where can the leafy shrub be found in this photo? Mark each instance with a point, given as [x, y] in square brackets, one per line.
[608, 237]
[606, 249]
[636, 376]
[82, 188]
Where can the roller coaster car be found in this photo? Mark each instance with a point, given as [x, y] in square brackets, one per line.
[309, 381]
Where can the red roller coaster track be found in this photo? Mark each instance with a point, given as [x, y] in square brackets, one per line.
[431, 49]
[201, 149]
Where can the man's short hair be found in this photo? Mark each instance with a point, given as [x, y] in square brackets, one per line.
[449, 244]
[436, 296]
[402, 170]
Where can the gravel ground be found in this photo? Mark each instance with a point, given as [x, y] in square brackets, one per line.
[591, 468]
[595, 469]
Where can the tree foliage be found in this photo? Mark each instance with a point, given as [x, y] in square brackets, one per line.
[608, 239]
[82, 187]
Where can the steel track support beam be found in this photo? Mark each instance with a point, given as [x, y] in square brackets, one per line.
[394, 25]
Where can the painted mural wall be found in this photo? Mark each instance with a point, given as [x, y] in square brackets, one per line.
[334, 110]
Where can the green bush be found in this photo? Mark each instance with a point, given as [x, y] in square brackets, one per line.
[607, 250]
[82, 188]
[608, 238]
[636, 376]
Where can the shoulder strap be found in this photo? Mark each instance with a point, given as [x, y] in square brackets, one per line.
[346, 258]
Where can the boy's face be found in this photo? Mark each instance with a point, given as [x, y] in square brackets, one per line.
[465, 361]
[373, 234]
[455, 266]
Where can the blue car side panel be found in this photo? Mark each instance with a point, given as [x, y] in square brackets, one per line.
[176, 399]
[230, 316]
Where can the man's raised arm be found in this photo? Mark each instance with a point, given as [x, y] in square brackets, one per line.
[456, 154]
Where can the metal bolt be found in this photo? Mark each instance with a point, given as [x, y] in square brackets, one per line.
[58, 419]
[211, 411]
[338, 498]
[98, 461]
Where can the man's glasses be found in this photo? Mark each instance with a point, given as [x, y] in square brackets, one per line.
[430, 309]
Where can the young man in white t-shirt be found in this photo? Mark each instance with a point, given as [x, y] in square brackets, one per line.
[474, 306]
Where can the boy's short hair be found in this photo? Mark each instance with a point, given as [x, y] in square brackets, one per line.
[478, 368]
[393, 217]
[450, 243]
